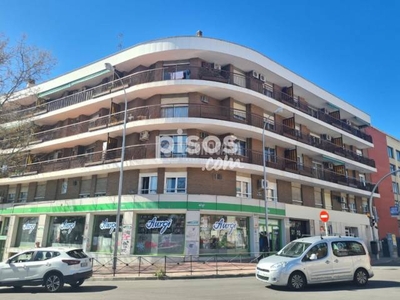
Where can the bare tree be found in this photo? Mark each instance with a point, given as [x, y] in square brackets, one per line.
[21, 65]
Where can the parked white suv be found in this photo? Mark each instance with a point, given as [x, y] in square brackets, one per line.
[317, 259]
[50, 267]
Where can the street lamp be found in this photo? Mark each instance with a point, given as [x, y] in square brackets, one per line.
[121, 171]
[265, 122]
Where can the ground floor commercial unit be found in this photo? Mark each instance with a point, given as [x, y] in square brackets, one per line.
[159, 225]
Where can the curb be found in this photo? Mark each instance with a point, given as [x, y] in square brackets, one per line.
[130, 278]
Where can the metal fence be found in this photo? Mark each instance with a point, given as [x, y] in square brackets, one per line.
[190, 265]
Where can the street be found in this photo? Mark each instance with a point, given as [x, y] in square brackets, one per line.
[386, 282]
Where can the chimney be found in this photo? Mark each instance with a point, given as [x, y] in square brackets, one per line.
[199, 33]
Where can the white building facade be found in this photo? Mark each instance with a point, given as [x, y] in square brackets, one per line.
[193, 165]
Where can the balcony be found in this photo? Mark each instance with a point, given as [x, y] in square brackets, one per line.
[179, 72]
[148, 151]
[194, 111]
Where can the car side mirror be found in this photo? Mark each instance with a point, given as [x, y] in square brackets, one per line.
[313, 256]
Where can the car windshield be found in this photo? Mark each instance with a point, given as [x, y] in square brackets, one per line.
[293, 249]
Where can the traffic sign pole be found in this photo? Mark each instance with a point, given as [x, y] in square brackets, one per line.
[324, 216]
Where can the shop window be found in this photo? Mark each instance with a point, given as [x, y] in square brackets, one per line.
[223, 234]
[66, 231]
[4, 226]
[148, 184]
[103, 237]
[175, 183]
[26, 232]
[160, 234]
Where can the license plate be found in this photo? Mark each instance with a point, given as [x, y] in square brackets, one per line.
[84, 264]
[261, 273]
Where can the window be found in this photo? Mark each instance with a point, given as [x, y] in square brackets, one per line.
[392, 167]
[243, 187]
[174, 111]
[11, 194]
[239, 111]
[362, 179]
[86, 185]
[320, 251]
[148, 184]
[40, 191]
[269, 121]
[178, 147]
[395, 187]
[241, 147]
[390, 152]
[101, 187]
[64, 186]
[270, 154]
[347, 248]
[23, 194]
[175, 183]
[398, 155]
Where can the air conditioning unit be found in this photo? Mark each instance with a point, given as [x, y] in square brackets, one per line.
[324, 110]
[144, 136]
[348, 122]
[255, 74]
[204, 99]
[216, 66]
[262, 77]
[326, 137]
[261, 184]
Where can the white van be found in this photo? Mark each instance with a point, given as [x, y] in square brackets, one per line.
[317, 259]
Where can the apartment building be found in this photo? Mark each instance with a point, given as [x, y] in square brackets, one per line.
[198, 111]
[386, 154]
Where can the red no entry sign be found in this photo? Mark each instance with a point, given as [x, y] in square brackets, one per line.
[324, 216]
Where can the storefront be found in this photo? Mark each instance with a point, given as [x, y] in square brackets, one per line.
[103, 236]
[275, 234]
[66, 231]
[160, 234]
[221, 234]
[26, 232]
[299, 228]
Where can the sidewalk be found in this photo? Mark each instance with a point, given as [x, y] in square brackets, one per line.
[385, 261]
[201, 270]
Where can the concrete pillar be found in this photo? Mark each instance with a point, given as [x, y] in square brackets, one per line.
[254, 233]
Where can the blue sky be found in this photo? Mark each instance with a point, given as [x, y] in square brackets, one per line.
[349, 48]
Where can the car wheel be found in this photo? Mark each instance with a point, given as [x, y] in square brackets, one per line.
[77, 283]
[361, 277]
[297, 281]
[53, 282]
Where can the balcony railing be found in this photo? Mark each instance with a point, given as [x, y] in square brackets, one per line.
[190, 72]
[195, 111]
[149, 151]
